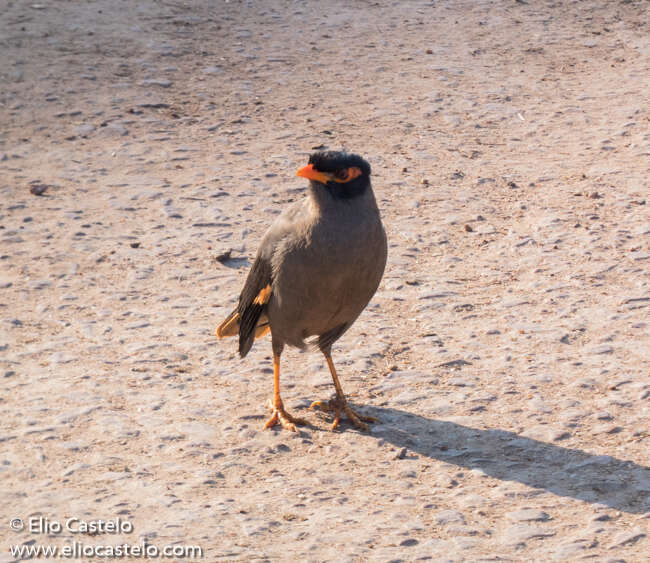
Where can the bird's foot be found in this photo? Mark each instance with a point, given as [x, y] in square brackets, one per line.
[338, 405]
[279, 415]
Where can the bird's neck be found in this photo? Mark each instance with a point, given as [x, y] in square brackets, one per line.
[336, 200]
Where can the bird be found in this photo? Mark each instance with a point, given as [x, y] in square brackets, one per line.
[317, 267]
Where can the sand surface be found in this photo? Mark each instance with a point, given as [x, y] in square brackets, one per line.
[506, 352]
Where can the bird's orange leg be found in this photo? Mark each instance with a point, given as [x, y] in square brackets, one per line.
[340, 404]
[287, 421]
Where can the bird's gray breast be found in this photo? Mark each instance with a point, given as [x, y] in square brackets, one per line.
[325, 276]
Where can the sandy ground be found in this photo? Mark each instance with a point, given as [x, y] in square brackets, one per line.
[506, 351]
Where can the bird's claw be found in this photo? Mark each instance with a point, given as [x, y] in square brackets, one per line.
[279, 415]
[322, 405]
[338, 405]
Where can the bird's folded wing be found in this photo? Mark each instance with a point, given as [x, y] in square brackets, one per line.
[252, 302]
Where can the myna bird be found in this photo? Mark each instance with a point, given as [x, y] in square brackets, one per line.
[317, 267]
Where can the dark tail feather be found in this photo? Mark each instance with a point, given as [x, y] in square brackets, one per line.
[230, 326]
[247, 327]
[250, 319]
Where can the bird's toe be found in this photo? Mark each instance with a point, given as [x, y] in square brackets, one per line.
[338, 406]
[282, 417]
[322, 405]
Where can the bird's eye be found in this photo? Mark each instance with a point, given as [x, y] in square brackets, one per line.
[341, 174]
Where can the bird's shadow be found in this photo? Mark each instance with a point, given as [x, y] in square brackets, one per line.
[567, 472]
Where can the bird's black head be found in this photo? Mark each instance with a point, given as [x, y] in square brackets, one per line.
[344, 175]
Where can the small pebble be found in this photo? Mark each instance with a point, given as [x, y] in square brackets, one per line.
[38, 189]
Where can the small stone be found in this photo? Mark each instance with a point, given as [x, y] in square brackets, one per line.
[162, 83]
[224, 256]
[172, 212]
[449, 516]
[628, 537]
[401, 454]
[84, 130]
[537, 404]
[62, 358]
[570, 549]
[617, 384]
[528, 515]
[602, 349]
[38, 189]
[607, 428]
[409, 542]
[454, 364]
[559, 435]
[601, 518]
[112, 131]
[520, 533]
[40, 284]
[461, 382]
[74, 469]
[152, 104]
[72, 446]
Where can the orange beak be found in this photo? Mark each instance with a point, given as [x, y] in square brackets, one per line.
[310, 173]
